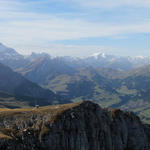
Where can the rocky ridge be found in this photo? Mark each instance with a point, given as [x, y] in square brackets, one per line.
[76, 126]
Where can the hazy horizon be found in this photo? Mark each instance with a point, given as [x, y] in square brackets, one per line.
[76, 27]
[100, 52]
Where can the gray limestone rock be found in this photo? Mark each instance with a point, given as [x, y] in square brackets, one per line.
[80, 126]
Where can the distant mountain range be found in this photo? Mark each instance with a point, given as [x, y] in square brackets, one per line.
[15, 60]
[16, 90]
[109, 80]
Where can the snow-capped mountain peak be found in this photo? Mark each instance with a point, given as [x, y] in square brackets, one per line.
[97, 55]
[140, 57]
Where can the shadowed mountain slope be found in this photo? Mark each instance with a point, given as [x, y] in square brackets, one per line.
[15, 84]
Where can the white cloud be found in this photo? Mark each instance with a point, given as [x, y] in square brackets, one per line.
[44, 29]
[54, 28]
[13, 5]
[112, 3]
[30, 30]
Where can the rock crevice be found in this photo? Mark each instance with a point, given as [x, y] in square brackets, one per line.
[78, 126]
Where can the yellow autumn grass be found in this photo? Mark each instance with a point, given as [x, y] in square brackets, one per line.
[25, 114]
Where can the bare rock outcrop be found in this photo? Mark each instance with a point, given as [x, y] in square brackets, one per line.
[76, 126]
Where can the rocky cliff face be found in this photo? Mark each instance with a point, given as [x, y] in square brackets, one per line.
[77, 126]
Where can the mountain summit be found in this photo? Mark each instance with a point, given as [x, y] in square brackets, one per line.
[97, 55]
[75, 126]
[11, 58]
[8, 53]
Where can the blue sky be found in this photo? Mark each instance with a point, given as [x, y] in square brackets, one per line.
[76, 27]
